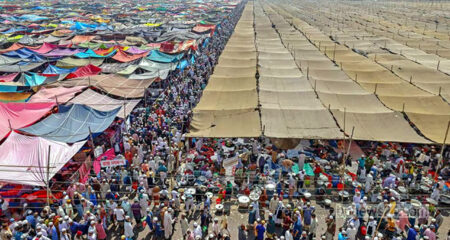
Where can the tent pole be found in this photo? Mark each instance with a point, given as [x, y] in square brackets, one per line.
[441, 159]
[347, 152]
[124, 111]
[48, 176]
[145, 98]
[10, 127]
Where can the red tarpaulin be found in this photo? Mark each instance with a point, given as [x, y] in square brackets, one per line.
[41, 195]
[88, 70]
[12, 192]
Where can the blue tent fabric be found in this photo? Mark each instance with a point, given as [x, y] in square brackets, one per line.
[158, 56]
[32, 18]
[183, 64]
[82, 26]
[51, 69]
[8, 88]
[25, 53]
[33, 79]
[72, 123]
[91, 54]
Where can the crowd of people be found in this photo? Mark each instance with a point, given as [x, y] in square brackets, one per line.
[390, 191]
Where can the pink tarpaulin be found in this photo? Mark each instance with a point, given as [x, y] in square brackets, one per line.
[63, 94]
[135, 50]
[9, 77]
[84, 173]
[24, 159]
[108, 155]
[45, 48]
[20, 115]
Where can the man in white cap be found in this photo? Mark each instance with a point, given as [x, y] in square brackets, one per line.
[64, 234]
[197, 230]
[128, 228]
[369, 182]
[92, 235]
[430, 232]
[216, 227]
[423, 214]
[189, 204]
[168, 223]
[351, 231]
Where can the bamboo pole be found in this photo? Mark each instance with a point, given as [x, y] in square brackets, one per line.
[48, 175]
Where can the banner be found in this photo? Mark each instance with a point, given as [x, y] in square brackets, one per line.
[113, 163]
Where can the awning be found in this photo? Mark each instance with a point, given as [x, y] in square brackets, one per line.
[72, 123]
[32, 156]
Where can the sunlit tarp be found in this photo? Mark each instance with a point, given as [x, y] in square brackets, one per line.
[21, 115]
[55, 95]
[104, 103]
[33, 160]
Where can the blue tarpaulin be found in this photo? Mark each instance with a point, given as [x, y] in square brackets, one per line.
[32, 18]
[72, 123]
[25, 53]
[33, 79]
[91, 54]
[8, 88]
[82, 26]
[158, 56]
[183, 64]
[56, 70]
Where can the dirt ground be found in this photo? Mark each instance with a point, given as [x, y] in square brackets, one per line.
[235, 217]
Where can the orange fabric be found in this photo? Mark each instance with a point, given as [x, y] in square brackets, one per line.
[14, 96]
[14, 47]
[121, 56]
[81, 39]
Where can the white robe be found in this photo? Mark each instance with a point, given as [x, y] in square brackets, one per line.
[167, 225]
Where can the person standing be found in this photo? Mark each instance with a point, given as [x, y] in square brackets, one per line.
[331, 228]
[260, 230]
[168, 223]
[129, 234]
[313, 227]
[136, 209]
[101, 234]
[271, 227]
[184, 223]
[119, 216]
[242, 233]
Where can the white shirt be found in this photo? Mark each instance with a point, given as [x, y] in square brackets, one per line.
[92, 237]
[120, 214]
[288, 236]
[128, 229]
[198, 231]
